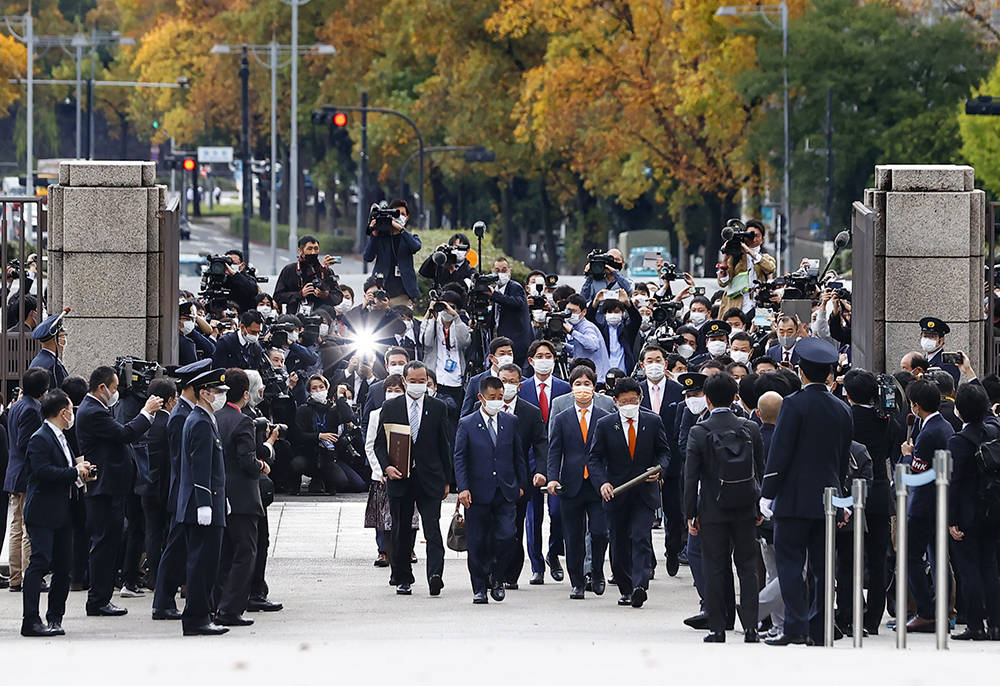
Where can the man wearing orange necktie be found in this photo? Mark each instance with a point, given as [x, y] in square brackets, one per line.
[626, 444]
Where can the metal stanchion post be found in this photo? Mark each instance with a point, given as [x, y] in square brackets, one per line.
[828, 574]
[901, 471]
[858, 492]
[942, 471]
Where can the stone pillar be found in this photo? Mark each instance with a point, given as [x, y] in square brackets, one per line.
[104, 260]
[928, 247]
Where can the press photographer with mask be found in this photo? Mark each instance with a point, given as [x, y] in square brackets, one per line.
[391, 247]
[611, 279]
[307, 281]
[449, 262]
[445, 338]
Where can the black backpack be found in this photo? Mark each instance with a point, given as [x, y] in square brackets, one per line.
[732, 454]
[988, 488]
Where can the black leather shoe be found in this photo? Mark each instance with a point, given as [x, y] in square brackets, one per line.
[79, 586]
[497, 593]
[714, 637]
[537, 578]
[698, 621]
[588, 583]
[673, 564]
[209, 629]
[555, 567]
[15, 589]
[403, 589]
[576, 593]
[479, 598]
[785, 639]
[36, 629]
[382, 560]
[625, 601]
[435, 584]
[510, 585]
[971, 635]
[56, 628]
[598, 586]
[166, 614]
[232, 620]
[109, 610]
[263, 605]
[638, 597]
[751, 636]
[682, 557]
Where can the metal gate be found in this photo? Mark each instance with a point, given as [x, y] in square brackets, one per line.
[992, 349]
[170, 232]
[864, 352]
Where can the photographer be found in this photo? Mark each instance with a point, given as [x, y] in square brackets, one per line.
[618, 321]
[510, 307]
[240, 348]
[392, 248]
[308, 281]
[298, 358]
[733, 273]
[583, 338]
[241, 284]
[608, 278]
[193, 343]
[445, 338]
[448, 263]
[374, 321]
[315, 439]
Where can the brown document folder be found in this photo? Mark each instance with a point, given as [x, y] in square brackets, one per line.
[397, 439]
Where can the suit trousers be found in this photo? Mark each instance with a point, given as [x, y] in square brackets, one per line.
[258, 589]
[876, 563]
[581, 515]
[919, 538]
[52, 550]
[20, 541]
[631, 520]
[204, 545]
[797, 541]
[106, 524]
[975, 561]
[516, 561]
[723, 545]
[154, 511]
[135, 540]
[81, 541]
[674, 524]
[236, 567]
[172, 567]
[769, 598]
[533, 526]
[401, 510]
[489, 528]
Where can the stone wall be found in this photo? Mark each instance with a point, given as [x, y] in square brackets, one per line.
[929, 247]
[105, 260]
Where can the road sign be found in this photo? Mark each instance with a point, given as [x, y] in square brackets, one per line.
[222, 154]
[154, 152]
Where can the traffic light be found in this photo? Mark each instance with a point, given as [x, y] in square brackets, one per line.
[156, 124]
[984, 104]
[188, 164]
[340, 120]
[480, 154]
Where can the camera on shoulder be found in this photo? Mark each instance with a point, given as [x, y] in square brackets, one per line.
[382, 217]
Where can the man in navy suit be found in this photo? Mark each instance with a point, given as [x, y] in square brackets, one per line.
[510, 307]
[491, 476]
[191, 342]
[393, 256]
[539, 390]
[626, 444]
[810, 450]
[932, 333]
[570, 437]
[240, 348]
[501, 353]
[618, 321]
[785, 349]
[53, 484]
[935, 431]
[52, 337]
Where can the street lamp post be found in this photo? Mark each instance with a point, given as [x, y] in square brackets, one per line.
[245, 150]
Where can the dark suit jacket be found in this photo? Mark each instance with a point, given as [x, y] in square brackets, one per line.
[158, 449]
[312, 419]
[673, 398]
[568, 454]
[482, 468]
[229, 353]
[947, 410]
[701, 468]
[104, 442]
[388, 252]
[239, 448]
[530, 393]
[609, 460]
[531, 431]
[430, 456]
[515, 319]
[965, 476]
[23, 419]
[810, 450]
[175, 432]
[881, 437]
[189, 346]
[933, 436]
[775, 352]
[265, 485]
[375, 399]
[627, 332]
[472, 391]
[57, 371]
[52, 483]
[202, 480]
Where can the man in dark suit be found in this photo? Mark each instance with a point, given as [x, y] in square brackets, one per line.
[192, 343]
[539, 390]
[626, 444]
[104, 443]
[491, 474]
[810, 450]
[24, 418]
[240, 348]
[721, 447]
[52, 337]
[393, 253]
[154, 494]
[935, 432]
[786, 348]
[510, 310]
[173, 561]
[357, 377]
[201, 502]
[618, 320]
[932, 333]
[243, 470]
[54, 482]
[428, 481]
[501, 353]
[571, 436]
[395, 362]
[295, 284]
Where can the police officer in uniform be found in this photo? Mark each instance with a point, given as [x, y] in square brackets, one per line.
[52, 337]
[810, 450]
[932, 333]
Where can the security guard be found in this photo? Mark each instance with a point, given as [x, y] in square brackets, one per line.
[810, 451]
[932, 333]
[52, 336]
[714, 341]
[201, 501]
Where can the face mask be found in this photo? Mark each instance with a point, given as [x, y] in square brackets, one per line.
[646, 324]
[654, 371]
[415, 390]
[504, 278]
[446, 317]
[716, 348]
[218, 401]
[256, 398]
[787, 342]
[250, 338]
[698, 317]
[319, 396]
[344, 305]
[533, 287]
[460, 255]
[544, 366]
[685, 350]
[395, 368]
[504, 360]
[71, 421]
[538, 316]
[432, 392]
[740, 356]
[583, 394]
[629, 411]
[575, 318]
[187, 327]
[829, 307]
[929, 345]
[293, 336]
[491, 407]
[324, 329]
[402, 219]
[393, 394]
[112, 399]
[696, 404]
[814, 327]
[264, 310]
[733, 333]
[510, 391]
[641, 301]
[613, 319]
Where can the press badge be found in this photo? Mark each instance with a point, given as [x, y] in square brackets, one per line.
[450, 365]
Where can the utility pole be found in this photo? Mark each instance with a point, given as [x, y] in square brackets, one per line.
[829, 158]
[362, 180]
[293, 153]
[245, 152]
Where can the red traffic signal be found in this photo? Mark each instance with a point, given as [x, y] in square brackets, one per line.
[188, 164]
[340, 119]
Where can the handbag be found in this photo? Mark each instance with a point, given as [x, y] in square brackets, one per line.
[456, 532]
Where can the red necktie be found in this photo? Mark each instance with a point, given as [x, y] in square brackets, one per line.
[583, 431]
[543, 403]
[788, 355]
[631, 439]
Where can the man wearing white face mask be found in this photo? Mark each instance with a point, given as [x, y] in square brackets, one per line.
[619, 321]
[583, 338]
[699, 311]
[445, 338]
[193, 340]
[932, 333]
[741, 347]
[241, 348]
[501, 353]
[456, 268]
[716, 337]
[510, 310]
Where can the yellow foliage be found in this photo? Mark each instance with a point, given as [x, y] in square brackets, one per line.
[13, 64]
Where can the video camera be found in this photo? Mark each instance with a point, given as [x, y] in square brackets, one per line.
[536, 296]
[382, 216]
[666, 312]
[447, 254]
[598, 263]
[270, 426]
[15, 269]
[213, 282]
[735, 234]
[135, 375]
[889, 397]
[480, 290]
[668, 272]
[279, 334]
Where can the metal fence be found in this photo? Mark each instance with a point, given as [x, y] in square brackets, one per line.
[169, 281]
[992, 349]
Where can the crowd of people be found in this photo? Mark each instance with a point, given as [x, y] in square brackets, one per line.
[622, 408]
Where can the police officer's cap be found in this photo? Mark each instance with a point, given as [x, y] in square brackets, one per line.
[934, 325]
[50, 328]
[716, 328]
[216, 379]
[692, 382]
[188, 309]
[188, 372]
[816, 351]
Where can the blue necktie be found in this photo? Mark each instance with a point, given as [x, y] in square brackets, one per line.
[493, 433]
[414, 420]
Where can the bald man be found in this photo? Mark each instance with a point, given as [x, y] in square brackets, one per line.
[769, 600]
[914, 362]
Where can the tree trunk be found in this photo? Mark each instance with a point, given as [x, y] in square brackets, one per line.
[547, 229]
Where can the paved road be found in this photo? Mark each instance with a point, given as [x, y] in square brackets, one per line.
[341, 619]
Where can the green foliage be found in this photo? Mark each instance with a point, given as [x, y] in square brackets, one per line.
[981, 137]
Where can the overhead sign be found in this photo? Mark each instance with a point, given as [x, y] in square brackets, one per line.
[222, 154]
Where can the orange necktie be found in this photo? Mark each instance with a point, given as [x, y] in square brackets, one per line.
[631, 439]
[583, 431]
